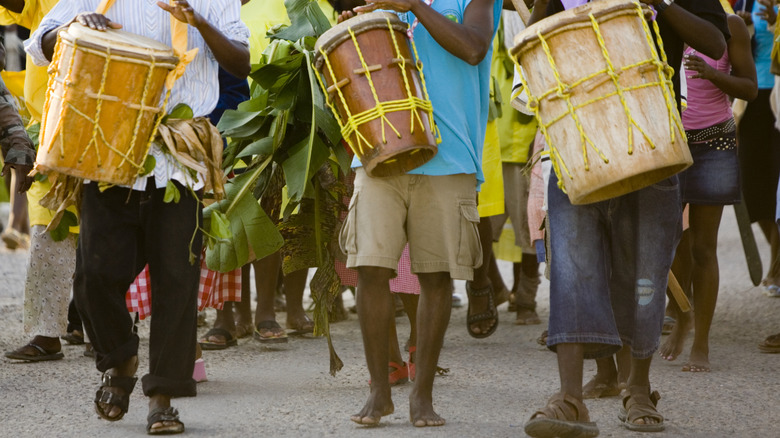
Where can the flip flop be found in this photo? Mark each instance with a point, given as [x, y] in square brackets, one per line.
[771, 344]
[74, 338]
[40, 354]
[264, 333]
[304, 327]
[230, 341]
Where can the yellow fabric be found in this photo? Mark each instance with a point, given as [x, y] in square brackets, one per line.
[14, 81]
[261, 15]
[514, 135]
[34, 96]
[491, 194]
[35, 80]
[727, 6]
[505, 248]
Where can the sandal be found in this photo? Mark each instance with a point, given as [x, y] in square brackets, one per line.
[76, 337]
[640, 402]
[207, 344]
[36, 353]
[301, 327]
[563, 417]
[771, 344]
[122, 401]
[489, 315]
[161, 415]
[270, 332]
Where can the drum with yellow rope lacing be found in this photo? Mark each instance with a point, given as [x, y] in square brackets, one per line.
[377, 93]
[103, 103]
[603, 96]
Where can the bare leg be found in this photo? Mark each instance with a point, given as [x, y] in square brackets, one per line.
[242, 311]
[433, 316]
[705, 221]
[266, 275]
[640, 377]
[294, 285]
[773, 237]
[605, 382]
[376, 313]
[682, 268]
[18, 223]
[481, 280]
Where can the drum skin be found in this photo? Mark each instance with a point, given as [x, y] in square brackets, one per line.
[102, 104]
[608, 137]
[402, 141]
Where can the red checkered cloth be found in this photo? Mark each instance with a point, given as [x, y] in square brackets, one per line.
[405, 283]
[214, 290]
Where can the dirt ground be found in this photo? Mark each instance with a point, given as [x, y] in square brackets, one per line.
[493, 387]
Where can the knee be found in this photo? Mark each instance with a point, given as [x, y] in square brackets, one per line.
[436, 281]
[372, 276]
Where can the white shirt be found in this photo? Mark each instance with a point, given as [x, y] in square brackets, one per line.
[198, 87]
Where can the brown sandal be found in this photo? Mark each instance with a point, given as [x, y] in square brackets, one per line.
[640, 402]
[563, 417]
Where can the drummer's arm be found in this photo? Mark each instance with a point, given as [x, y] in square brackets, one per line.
[469, 41]
[539, 11]
[231, 55]
[697, 32]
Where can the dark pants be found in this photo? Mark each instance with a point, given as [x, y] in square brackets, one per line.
[121, 231]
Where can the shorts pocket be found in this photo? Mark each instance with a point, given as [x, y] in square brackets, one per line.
[469, 247]
[348, 233]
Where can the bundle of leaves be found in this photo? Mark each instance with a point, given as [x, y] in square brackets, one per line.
[284, 127]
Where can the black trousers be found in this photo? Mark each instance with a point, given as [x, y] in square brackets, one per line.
[121, 231]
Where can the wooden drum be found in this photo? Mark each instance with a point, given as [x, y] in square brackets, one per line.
[377, 93]
[103, 103]
[604, 99]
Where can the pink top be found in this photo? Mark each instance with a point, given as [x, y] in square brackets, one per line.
[707, 104]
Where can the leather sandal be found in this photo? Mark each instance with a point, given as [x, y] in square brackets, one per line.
[491, 314]
[640, 402]
[160, 415]
[122, 401]
[563, 417]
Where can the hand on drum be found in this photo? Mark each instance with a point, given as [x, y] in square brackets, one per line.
[344, 15]
[21, 173]
[96, 21]
[393, 5]
[182, 11]
[695, 63]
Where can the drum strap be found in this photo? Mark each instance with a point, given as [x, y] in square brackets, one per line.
[178, 42]
[410, 31]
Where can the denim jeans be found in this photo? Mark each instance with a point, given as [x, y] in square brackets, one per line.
[609, 266]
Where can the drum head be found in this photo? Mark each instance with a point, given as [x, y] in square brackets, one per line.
[118, 40]
[360, 23]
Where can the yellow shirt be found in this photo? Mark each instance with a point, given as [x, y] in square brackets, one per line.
[36, 77]
[35, 82]
[261, 15]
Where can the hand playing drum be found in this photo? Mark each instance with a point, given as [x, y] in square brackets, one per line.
[95, 21]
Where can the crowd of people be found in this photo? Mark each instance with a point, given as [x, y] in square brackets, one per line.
[486, 195]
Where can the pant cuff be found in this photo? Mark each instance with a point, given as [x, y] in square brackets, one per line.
[154, 385]
[117, 357]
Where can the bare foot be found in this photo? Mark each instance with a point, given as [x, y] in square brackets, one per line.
[378, 405]
[601, 386]
[421, 412]
[698, 362]
[673, 345]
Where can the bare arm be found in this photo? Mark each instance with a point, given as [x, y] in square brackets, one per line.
[16, 6]
[696, 32]
[539, 12]
[231, 55]
[741, 83]
[469, 41]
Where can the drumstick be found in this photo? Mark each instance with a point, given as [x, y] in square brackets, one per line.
[678, 293]
[522, 9]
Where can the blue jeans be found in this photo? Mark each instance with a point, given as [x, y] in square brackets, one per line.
[609, 266]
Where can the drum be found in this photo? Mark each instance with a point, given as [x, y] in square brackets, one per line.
[377, 93]
[103, 103]
[604, 99]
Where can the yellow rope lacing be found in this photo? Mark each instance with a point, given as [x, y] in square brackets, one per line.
[412, 103]
[98, 136]
[563, 91]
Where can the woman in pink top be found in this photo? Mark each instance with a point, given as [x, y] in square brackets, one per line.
[712, 182]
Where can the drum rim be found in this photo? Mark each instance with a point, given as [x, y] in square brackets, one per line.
[157, 55]
[337, 34]
[565, 20]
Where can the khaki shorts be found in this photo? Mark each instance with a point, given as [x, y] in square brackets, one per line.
[436, 215]
[516, 186]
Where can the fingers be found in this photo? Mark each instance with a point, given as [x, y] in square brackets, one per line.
[96, 21]
[345, 15]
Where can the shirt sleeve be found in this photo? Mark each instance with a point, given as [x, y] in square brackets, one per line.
[62, 13]
[225, 15]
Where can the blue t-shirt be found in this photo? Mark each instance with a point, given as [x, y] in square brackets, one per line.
[762, 51]
[459, 93]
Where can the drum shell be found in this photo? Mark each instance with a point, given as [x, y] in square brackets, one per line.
[575, 49]
[391, 155]
[75, 81]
